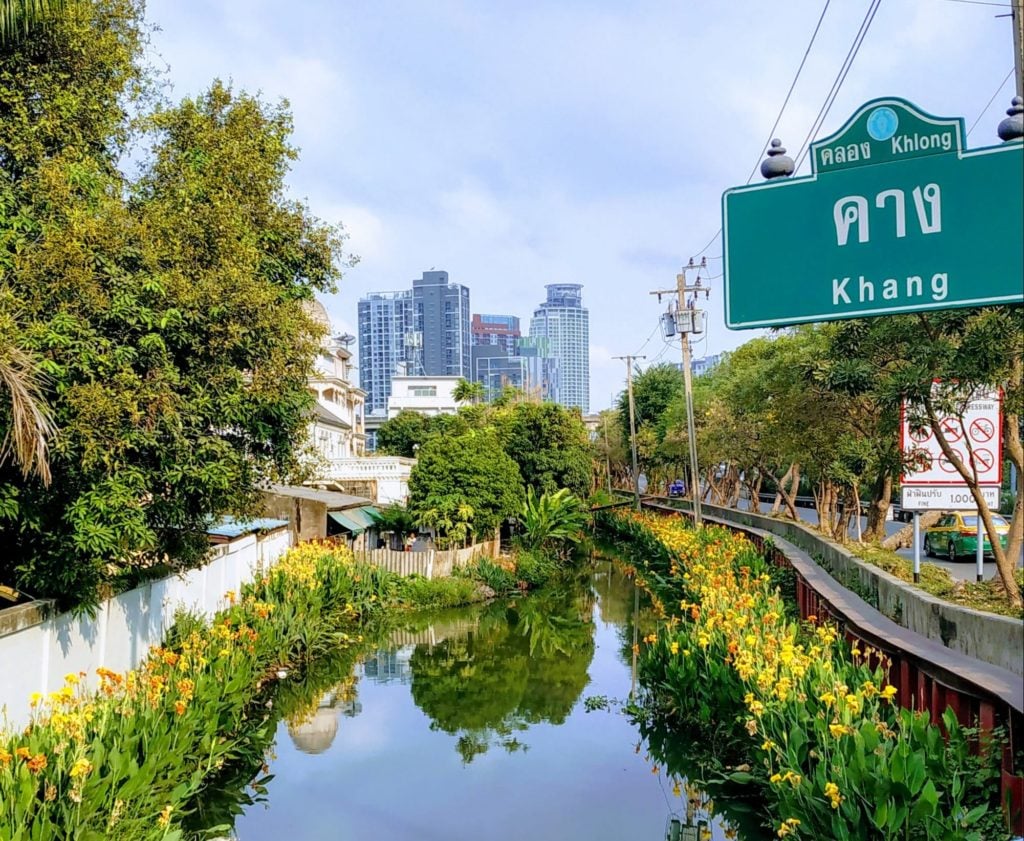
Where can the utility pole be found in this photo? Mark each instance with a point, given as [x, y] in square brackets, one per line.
[632, 424]
[686, 319]
[607, 455]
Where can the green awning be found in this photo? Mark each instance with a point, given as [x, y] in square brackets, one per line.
[355, 520]
[346, 522]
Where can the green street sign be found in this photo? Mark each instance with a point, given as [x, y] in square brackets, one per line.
[896, 216]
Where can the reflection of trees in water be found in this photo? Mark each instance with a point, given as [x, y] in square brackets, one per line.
[525, 663]
[704, 757]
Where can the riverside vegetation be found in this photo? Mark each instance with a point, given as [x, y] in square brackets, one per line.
[788, 706]
[137, 759]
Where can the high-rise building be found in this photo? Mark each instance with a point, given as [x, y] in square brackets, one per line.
[442, 319]
[423, 331]
[387, 338]
[500, 330]
[565, 323]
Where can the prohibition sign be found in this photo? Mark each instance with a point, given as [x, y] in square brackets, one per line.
[982, 430]
[984, 460]
[920, 434]
[952, 431]
[947, 465]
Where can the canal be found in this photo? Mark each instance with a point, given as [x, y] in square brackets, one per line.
[501, 722]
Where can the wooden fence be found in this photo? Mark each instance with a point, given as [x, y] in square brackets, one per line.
[431, 563]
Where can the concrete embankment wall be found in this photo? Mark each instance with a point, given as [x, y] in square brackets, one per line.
[985, 636]
[39, 646]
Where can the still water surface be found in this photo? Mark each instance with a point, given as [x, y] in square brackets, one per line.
[472, 725]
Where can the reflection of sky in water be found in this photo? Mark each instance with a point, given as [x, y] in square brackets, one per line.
[384, 774]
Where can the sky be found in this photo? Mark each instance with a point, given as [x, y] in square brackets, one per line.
[568, 141]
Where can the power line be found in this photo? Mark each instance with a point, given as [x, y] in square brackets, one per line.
[989, 105]
[778, 118]
[789, 93]
[647, 341]
[837, 84]
[982, 3]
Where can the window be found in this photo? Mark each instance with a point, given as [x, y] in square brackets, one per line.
[423, 391]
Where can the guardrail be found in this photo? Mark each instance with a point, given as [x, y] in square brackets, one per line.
[928, 675]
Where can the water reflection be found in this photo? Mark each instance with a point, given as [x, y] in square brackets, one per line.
[456, 710]
[519, 663]
[314, 732]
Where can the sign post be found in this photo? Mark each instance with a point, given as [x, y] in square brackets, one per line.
[891, 220]
[931, 482]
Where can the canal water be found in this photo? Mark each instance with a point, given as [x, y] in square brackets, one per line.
[500, 722]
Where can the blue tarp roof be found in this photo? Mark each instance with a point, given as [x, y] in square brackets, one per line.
[231, 527]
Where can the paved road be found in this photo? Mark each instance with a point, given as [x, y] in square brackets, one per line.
[962, 570]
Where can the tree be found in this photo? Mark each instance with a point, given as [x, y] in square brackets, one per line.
[396, 520]
[402, 434]
[963, 350]
[467, 391]
[653, 391]
[549, 443]
[467, 480]
[166, 311]
[19, 18]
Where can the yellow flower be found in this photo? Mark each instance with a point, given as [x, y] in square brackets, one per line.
[889, 692]
[775, 779]
[674, 648]
[35, 699]
[81, 767]
[832, 793]
[788, 827]
[827, 698]
[768, 744]
[165, 815]
[838, 730]
[71, 678]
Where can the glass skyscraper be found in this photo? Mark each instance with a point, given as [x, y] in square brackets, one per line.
[423, 331]
[565, 323]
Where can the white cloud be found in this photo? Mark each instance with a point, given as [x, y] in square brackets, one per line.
[583, 142]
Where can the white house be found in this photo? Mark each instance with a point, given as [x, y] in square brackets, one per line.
[336, 427]
[426, 395]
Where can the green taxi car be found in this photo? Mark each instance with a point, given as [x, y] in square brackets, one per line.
[955, 535]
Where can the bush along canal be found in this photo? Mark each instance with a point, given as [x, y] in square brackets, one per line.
[745, 696]
[320, 704]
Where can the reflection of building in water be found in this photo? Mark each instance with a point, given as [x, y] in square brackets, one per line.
[315, 733]
[389, 666]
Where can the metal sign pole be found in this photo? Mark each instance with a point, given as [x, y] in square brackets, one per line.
[917, 547]
[979, 553]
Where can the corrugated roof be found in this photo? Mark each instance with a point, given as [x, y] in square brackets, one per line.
[348, 523]
[230, 527]
[356, 520]
[332, 499]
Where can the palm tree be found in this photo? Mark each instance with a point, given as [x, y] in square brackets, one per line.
[18, 18]
[31, 425]
[468, 392]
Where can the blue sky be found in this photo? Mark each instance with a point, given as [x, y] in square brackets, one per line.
[581, 141]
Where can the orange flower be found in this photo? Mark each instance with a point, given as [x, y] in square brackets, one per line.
[37, 763]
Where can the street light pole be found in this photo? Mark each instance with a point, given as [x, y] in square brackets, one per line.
[688, 319]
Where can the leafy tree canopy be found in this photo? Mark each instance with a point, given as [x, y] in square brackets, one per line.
[166, 310]
[467, 479]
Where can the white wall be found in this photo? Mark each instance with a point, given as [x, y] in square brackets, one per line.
[36, 658]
